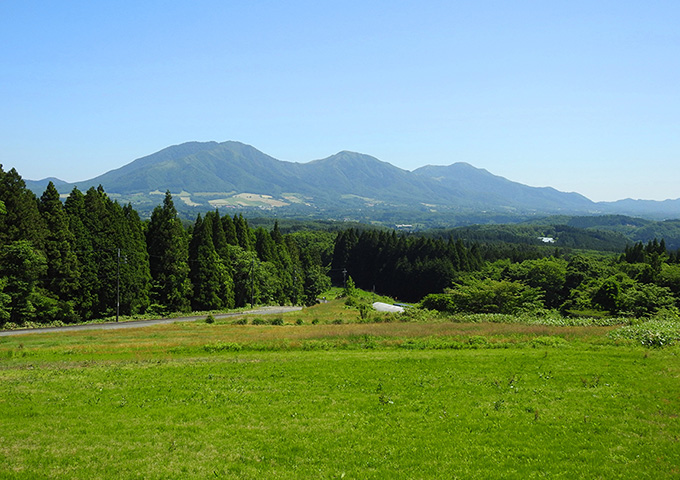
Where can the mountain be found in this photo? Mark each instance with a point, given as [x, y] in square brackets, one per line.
[206, 175]
[471, 183]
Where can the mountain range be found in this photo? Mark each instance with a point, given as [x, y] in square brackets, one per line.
[207, 175]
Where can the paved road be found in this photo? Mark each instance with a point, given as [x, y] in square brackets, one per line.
[146, 323]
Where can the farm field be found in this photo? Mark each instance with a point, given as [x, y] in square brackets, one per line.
[379, 400]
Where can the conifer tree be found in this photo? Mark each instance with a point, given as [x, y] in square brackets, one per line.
[102, 228]
[243, 233]
[168, 247]
[86, 296]
[229, 230]
[219, 237]
[135, 271]
[21, 220]
[63, 273]
[213, 286]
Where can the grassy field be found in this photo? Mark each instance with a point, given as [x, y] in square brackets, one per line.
[327, 400]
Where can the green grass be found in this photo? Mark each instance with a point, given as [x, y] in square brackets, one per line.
[383, 400]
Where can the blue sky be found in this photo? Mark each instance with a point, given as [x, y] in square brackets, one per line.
[582, 95]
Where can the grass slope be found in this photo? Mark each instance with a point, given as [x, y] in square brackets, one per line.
[387, 400]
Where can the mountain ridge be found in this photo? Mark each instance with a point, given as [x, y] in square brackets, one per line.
[211, 174]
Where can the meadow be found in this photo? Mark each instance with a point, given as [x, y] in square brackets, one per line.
[318, 395]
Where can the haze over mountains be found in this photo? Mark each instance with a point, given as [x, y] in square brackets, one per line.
[206, 175]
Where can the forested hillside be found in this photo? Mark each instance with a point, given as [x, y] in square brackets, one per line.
[509, 278]
[71, 261]
[87, 257]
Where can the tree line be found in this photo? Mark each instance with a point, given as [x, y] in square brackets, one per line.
[457, 277]
[86, 257]
[89, 257]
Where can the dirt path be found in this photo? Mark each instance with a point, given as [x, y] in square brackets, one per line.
[146, 323]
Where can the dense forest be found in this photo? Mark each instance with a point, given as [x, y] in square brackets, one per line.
[499, 277]
[89, 257]
[86, 256]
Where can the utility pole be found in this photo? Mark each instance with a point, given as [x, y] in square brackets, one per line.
[118, 288]
[252, 282]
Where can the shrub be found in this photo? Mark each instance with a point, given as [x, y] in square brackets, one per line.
[156, 309]
[222, 347]
[351, 302]
[654, 333]
[210, 319]
[277, 321]
[259, 321]
[241, 321]
[487, 296]
[364, 310]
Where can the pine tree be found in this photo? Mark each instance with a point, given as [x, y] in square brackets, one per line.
[86, 296]
[229, 230]
[62, 264]
[243, 233]
[135, 271]
[21, 220]
[213, 286]
[168, 248]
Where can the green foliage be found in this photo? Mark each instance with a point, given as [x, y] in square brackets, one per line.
[547, 274]
[400, 266]
[21, 220]
[22, 266]
[63, 272]
[486, 296]
[212, 282]
[365, 310]
[168, 247]
[89, 249]
[652, 333]
[349, 290]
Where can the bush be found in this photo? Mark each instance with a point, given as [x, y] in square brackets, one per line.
[654, 333]
[351, 302]
[210, 319]
[259, 321]
[222, 347]
[241, 321]
[364, 310]
[156, 309]
[277, 321]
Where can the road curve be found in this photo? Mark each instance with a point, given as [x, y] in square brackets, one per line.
[147, 323]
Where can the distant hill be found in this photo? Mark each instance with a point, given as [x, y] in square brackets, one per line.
[208, 175]
[469, 183]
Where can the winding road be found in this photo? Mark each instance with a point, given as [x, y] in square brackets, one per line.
[146, 323]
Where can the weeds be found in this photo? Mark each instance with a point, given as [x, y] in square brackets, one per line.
[653, 333]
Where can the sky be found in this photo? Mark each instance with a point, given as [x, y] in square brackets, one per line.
[583, 96]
